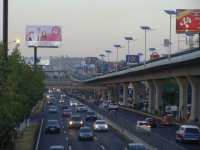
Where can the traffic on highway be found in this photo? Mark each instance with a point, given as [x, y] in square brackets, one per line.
[73, 123]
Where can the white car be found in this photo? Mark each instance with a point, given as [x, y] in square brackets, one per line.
[100, 125]
[81, 108]
[73, 103]
[143, 126]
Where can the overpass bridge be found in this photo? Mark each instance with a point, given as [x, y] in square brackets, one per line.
[183, 67]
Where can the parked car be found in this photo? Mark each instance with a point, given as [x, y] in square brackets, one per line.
[53, 109]
[100, 125]
[136, 146]
[151, 122]
[75, 122]
[143, 126]
[52, 126]
[56, 147]
[166, 121]
[85, 133]
[67, 112]
[91, 115]
[188, 133]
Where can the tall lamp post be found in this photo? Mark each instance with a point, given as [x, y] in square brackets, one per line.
[145, 28]
[108, 52]
[102, 56]
[170, 13]
[128, 39]
[117, 46]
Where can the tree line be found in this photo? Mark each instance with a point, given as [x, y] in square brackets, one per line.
[21, 86]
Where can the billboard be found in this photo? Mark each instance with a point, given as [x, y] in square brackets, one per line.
[188, 20]
[131, 58]
[43, 35]
[90, 60]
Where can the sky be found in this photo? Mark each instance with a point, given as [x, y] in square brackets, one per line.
[89, 27]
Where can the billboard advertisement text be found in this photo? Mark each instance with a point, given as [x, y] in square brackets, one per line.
[188, 20]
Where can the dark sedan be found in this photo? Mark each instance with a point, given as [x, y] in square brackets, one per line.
[151, 122]
[91, 115]
[52, 126]
[85, 133]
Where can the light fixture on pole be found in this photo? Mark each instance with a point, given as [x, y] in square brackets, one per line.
[102, 56]
[108, 52]
[128, 39]
[117, 46]
[145, 28]
[170, 13]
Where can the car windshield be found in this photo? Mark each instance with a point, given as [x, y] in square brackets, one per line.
[53, 122]
[91, 113]
[53, 107]
[67, 110]
[76, 118]
[143, 123]
[192, 130]
[80, 105]
[85, 130]
[100, 122]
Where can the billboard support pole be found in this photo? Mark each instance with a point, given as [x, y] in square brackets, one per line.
[35, 55]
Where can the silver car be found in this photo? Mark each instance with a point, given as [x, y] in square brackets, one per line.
[100, 125]
[85, 133]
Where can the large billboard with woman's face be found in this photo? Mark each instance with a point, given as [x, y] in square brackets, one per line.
[43, 35]
[188, 20]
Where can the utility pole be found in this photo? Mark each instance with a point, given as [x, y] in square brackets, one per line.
[5, 28]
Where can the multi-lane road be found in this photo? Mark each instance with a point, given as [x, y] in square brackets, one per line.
[69, 137]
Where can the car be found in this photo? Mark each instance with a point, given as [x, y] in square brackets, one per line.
[85, 133]
[73, 103]
[151, 122]
[166, 121]
[100, 125]
[75, 122]
[143, 126]
[61, 100]
[113, 112]
[81, 108]
[53, 109]
[64, 105]
[136, 146]
[52, 126]
[91, 115]
[67, 112]
[50, 101]
[188, 133]
[56, 147]
[112, 106]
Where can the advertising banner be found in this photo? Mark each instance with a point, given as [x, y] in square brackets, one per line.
[188, 20]
[90, 60]
[43, 35]
[131, 58]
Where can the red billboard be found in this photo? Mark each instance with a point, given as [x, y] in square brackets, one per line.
[43, 35]
[188, 20]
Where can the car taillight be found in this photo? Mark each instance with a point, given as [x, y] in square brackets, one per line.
[149, 126]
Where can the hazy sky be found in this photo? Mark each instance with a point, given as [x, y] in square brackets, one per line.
[92, 26]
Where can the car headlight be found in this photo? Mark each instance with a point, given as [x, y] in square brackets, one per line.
[96, 126]
[70, 122]
[106, 126]
[81, 122]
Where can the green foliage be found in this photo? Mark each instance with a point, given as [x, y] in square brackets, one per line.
[21, 86]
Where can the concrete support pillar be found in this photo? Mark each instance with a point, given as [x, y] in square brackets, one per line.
[125, 92]
[115, 92]
[151, 101]
[158, 97]
[195, 103]
[183, 84]
[110, 94]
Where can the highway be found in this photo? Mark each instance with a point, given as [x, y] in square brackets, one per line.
[69, 137]
[127, 119]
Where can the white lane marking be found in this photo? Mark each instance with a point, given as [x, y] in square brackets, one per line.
[63, 127]
[40, 128]
[70, 148]
[67, 138]
[102, 147]
[65, 132]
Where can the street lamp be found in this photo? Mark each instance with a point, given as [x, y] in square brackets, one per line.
[170, 13]
[17, 42]
[108, 52]
[102, 56]
[145, 28]
[117, 46]
[128, 39]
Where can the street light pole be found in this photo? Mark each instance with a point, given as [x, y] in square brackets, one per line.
[108, 52]
[145, 28]
[5, 28]
[128, 39]
[117, 46]
[170, 13]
